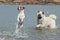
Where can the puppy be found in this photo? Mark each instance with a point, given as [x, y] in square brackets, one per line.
[20, 18]
[46, 22]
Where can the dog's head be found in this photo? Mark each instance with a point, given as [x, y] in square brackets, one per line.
[21, 8]
[40, 14]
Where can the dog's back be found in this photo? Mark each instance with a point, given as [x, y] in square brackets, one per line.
[53, 16]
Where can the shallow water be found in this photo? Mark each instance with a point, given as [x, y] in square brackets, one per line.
[8, 21]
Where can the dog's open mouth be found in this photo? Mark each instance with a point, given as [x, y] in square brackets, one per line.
[39, 16]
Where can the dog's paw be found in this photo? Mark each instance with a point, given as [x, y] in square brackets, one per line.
[37, 25]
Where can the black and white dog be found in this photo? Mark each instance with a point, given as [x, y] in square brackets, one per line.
[20, 19]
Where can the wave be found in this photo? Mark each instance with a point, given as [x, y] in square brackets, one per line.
[14, 35]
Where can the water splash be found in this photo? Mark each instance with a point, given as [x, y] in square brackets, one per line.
[14, 35]
[20, 35]
[2, 38]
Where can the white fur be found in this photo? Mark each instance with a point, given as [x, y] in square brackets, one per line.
[21, 15]
[47, 22]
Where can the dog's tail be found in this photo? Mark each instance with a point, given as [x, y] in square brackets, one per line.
[53, 16]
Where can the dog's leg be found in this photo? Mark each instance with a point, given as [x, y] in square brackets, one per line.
[40, 25]
[17, 28]
[19, 25]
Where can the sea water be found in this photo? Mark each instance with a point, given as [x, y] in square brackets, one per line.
[8, 22]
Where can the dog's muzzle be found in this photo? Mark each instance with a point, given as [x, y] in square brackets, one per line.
[39, 16]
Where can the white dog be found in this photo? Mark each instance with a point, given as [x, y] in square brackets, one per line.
[46, 22]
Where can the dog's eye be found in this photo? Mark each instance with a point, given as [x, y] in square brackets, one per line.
[23, 7]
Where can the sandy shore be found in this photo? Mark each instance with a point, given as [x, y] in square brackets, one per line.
[43, 2]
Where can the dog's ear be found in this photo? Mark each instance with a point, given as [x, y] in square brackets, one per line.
[23, 7]
[17, 8]
[42, 12]
[38, 11]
